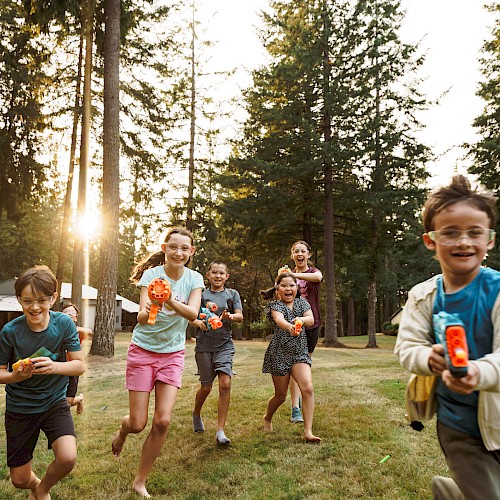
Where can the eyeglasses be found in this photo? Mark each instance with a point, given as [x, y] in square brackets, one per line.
[175, 248]
[41, 301]
[287, 285]
[451, 237]
[218, 273]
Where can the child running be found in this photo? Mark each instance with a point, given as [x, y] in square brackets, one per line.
[214, 349]
[308, 281]
[36, 389]
[72, 311]
[155, 356]
[458, 224]
[287, 353]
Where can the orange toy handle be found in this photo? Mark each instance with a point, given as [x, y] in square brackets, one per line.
[298, 326]
[458, 353]
[159, 291]
[24, 362]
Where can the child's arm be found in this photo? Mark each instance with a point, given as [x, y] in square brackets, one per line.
[144, 306]
[236, 316]
[307, 319]
[189, 310]
[74, 367]
[315, 277]
[280, 320]
[198, 323]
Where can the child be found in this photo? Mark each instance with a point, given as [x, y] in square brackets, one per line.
[155, 356]
[36, 390]
[457, 224]
[72, 311]
[308, 280]
[214, 349]
[287, 352]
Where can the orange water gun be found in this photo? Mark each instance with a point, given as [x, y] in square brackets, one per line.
[22, 362]
[450, 332]
[298, 326]
[159, 291]
[284, 269]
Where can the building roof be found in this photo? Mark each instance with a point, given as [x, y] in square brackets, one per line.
[8, 301]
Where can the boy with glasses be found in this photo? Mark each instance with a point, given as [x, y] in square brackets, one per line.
[458, 224]
[36, 387]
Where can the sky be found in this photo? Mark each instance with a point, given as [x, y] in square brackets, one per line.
[451, 32]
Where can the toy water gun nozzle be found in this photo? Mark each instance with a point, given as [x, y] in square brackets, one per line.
[298, 326]
[21, 362]
[159, 291]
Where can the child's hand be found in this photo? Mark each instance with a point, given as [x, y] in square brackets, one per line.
[198, 323]
[24, 371]
[291, 329]
[226, 315]
[464, 385]
[437, 362]
[43, 366]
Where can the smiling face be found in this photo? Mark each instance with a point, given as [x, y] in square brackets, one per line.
[300, 255]
[286, 289]
[461, 262]
[217, 276]
[71, 312]
[36, 308]
[178, 250]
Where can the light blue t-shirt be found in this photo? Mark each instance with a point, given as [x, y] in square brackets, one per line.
[168, 334]
[474, 305]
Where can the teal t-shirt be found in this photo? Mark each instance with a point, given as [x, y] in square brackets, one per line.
[17, 341]
[168, 334]
[474, 305]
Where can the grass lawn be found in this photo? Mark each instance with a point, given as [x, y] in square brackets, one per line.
[359, 415]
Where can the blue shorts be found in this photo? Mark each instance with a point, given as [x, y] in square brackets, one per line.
[23, 431]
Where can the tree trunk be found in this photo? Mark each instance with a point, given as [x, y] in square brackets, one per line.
[192, 136]
[372, 314]
[104, 333]
[63, 242]
[79, 234]
[351, 317]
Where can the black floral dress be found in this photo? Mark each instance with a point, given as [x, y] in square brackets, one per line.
[285, 350]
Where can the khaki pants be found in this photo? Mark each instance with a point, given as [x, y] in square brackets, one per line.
[475, 470]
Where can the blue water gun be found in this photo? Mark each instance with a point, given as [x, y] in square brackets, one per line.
[208, 315]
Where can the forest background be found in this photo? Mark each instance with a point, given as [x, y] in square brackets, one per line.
[113, 128]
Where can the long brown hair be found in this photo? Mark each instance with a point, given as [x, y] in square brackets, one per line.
[270, 292]
[302, 242]
[157, 258]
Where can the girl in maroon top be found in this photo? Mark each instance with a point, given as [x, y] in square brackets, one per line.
[308, 280]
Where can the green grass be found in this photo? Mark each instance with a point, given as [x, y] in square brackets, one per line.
[359, 414]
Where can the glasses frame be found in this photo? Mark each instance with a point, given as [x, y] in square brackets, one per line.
[31, 302]
[465, 233]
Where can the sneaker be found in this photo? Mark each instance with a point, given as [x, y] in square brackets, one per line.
[296, 415]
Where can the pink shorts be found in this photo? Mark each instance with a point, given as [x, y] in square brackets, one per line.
[144, 368]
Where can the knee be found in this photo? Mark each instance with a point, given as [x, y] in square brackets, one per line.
[161, 425]
[225, 386]
[66, 462]
[206, 389]
[136, 425]
[307, 390]
[280, 398]
[20, 480]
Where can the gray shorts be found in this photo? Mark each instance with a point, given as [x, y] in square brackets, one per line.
[209, 363]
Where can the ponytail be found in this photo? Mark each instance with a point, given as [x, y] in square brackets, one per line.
[152, 260]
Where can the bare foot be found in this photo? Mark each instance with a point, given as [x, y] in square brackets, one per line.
[268, 425]
[80, 406]
[117, 444]
[141, 490]
[312, 439]
[41, 496]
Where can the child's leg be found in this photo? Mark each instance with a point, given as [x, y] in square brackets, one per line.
[201, 395]
[280, 391]
[64, 460]
[165, 397]
[302, 374]
[224, 398]
[24, 478]
[294, 393]
[134, 422]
